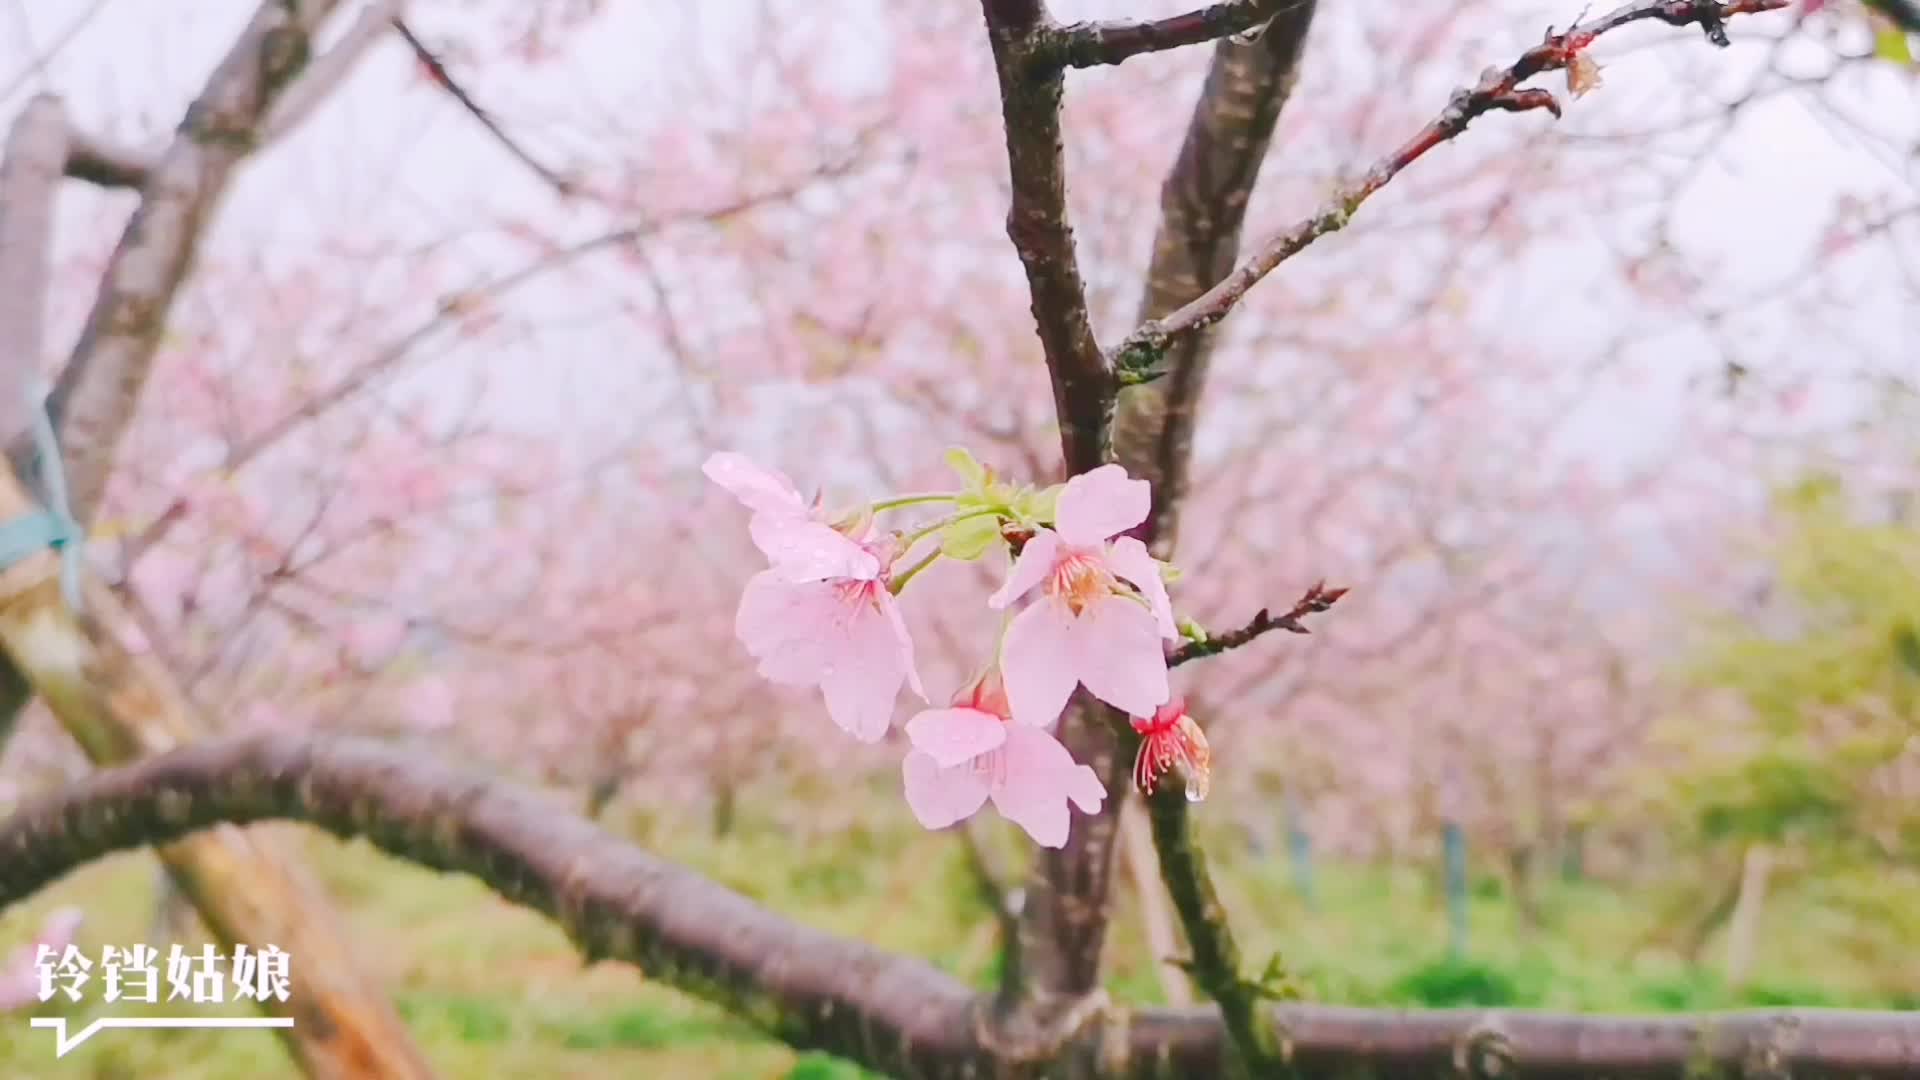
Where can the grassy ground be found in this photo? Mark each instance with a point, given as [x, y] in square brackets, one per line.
[492, 991]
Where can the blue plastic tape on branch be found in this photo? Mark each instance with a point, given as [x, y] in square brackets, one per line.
[54, 526]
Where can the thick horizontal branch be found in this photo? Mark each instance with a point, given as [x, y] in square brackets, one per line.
[813, 989]
[1137, 359]
[1090, 44]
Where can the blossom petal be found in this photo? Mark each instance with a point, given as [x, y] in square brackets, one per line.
[804, 550]
[1129, 558]
[864, 671]
[891, 608]
[939, 797]
[955, 736]
[1030, 569]
[764, 490]
[1038, 662]
[1117, 653]
[787, 626]
[1101, 503]
[1037, 778]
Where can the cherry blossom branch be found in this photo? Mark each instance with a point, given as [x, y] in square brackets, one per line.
[1032, 82]
[1137, 358]
[1202, 212]
[1214, 963]
[812, 989]
[1316, 599]
[437, 70]
[1090, 44]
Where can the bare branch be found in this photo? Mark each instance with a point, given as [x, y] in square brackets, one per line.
[35, 155]
[96, 395]
[99, 162]
[1316, 599]
[329, 70]
[1215, 963]
[445, 80]
[1091, 44]
[1031, 86]
[814, 989]
[1137, 358]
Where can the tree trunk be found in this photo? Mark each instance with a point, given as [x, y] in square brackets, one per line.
[1143, 866]
[122, 706]
[1743, 932]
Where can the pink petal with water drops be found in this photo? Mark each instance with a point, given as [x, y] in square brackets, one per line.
[865, 671]
[954, 736]
[1130, 559]
[804, 550]
[763, 490]
[1118, 655]
[839, 635]
[1040, 662]
[940, 797]
[780, 623]
[1101, 503]
[1035, 780]
[1030, 569]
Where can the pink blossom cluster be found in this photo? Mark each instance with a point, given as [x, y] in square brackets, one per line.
[1096, 615]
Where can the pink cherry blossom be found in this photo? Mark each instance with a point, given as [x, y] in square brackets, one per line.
[1088, 627]
[373, 642]
[20, 978]
[785, 528]
[1171, 739]
[844, 635]
[823, 614]
[965, 755]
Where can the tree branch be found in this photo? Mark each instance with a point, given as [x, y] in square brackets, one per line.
[1091, 44]
[107, 164]
[97, 392]
[34, 157]
[1137, 359]
[1215, 961]
[1031, 86]
[443, 78]
[1202, 210]
[329, 70]
[96, 161]
[816, 990]
[1315, 600]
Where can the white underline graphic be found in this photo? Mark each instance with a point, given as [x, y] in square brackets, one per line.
[64, 1044]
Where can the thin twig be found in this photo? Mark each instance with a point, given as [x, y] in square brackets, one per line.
[444, 78]
[1137, 358]
[1316, 599]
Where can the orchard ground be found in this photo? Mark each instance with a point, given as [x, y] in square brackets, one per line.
[492, 990]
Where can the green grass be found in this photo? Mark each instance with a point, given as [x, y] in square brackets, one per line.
[493, 991]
